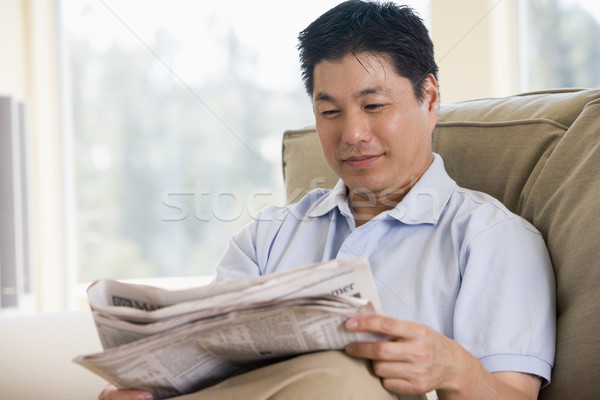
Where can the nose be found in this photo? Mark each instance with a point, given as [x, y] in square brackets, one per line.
[356, 129]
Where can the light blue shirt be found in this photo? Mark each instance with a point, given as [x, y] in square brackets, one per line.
[454, 259]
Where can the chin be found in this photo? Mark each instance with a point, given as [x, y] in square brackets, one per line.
[366, 185]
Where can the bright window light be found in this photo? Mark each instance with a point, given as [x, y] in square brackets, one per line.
[177, 112]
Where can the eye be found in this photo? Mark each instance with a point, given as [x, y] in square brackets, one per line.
[329, 113]
[374, 107]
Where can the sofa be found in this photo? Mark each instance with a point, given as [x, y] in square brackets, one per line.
[36, 353]
[539, 153]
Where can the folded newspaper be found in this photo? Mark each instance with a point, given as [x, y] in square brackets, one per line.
[176, 342]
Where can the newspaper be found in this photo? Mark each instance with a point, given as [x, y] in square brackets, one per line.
[177, 342]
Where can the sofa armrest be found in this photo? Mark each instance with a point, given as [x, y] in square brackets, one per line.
[36, 357]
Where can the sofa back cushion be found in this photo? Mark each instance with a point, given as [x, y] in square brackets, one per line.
[539, 153]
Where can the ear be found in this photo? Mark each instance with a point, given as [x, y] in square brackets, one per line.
[431, 98]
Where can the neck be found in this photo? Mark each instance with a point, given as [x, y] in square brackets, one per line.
[365, 205]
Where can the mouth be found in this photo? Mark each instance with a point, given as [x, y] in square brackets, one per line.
[361, 161]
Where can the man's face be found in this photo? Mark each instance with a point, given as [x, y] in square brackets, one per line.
[374, 132]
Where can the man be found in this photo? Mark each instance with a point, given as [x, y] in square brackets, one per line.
[467, 288]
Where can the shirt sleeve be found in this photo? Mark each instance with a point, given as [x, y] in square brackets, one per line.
[505, 310]
[246, 251]
[239, 259]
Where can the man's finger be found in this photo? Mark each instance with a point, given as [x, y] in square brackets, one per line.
[387, 350]
[112, 393]
[395, 328]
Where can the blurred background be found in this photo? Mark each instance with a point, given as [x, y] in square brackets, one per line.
[136, 136]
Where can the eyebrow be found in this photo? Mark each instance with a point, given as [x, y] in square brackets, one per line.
[362, 93]
[324, 97]
[372, 90]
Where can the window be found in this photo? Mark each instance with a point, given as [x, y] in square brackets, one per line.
[177, 113]
[174, 111]
[560, 44]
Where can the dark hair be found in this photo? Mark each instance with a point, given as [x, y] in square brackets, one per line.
[358, 26]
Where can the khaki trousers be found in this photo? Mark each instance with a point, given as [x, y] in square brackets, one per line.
[327, 375]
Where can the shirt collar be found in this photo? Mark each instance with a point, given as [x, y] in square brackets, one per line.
[337, 197]
[423, 204]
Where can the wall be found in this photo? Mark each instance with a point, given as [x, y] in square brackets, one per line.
[29, 72]
[12, 49]
[476, 48]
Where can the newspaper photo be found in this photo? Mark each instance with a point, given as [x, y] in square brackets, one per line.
[176, 342]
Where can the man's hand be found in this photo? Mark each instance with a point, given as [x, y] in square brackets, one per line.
[112, 393]
[417, 359]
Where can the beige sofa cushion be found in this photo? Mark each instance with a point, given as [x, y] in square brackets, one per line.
[304, 166]
[539, 153]
[499, 146]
